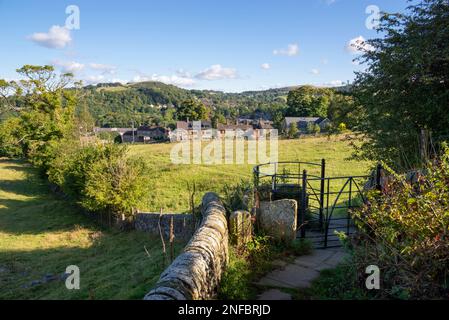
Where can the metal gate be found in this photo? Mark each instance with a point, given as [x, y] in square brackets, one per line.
[324, 203]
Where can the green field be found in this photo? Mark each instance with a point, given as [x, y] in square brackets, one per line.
[41, 235]
[169, 182]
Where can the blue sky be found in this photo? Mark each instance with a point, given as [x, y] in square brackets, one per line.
[199, 44]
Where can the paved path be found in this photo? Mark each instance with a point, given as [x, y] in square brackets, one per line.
[299, 274]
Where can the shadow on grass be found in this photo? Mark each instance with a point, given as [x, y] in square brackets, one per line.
[41, 235]
[114, 266]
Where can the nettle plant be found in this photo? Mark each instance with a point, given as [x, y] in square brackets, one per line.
[405, 231]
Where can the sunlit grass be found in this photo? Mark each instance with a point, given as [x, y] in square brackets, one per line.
[169, 181]
[42, 235]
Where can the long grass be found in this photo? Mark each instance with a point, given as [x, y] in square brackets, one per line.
[169, 181]
[41, 235]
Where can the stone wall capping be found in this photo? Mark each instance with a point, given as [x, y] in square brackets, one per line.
[196, 273]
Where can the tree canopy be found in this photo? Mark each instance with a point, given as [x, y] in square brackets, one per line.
[192, 110]
[405, 88]
[308, 101]
[45, 116]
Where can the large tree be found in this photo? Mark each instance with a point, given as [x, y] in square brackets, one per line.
[45, 116]
[191, 109]
[405, 88]
[308, 101]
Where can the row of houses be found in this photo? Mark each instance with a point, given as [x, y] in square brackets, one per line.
[203, 130]
[143, 134]
[302, 123]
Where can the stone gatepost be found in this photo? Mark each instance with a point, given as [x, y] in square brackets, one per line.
[240, 228]
[279, 219]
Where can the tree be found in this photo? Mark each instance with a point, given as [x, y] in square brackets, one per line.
[313, 128]
[218, 118]
[46, 116]
[308, 101]
[405, 88]
[192, 110]
[342, 127]
[85, 121]
[293, 131]
[342, 108]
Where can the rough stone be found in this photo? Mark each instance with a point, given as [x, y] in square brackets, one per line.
[274, 294]
[279, 218]
[240, 228]
[183, 224]
[292, 276]
[303, 271]
[196, 273]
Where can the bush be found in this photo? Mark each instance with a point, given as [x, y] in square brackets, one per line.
[115, 184]
[293, 131]
[250, 263]
[313, 128]
[404, 231]
[100, 178]
[9, 143]
[239, 197]
[245, 267]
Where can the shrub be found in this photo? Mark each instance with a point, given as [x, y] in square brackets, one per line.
[9, 143]
[293, 131]
[115, 184]
[101, 178]
[313, 128]
[342, 128]
[405, 232]
[239, 197]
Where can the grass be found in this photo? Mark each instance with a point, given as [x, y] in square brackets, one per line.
[340, 283]
[41, 235]
[247, 265]
[169, 181]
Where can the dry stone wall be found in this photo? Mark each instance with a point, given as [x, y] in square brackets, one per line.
[196, 273]
[183, 224]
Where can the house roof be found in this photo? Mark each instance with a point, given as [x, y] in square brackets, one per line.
[130, 133]
[152, 128]
[121, 130]
[182, 125]
[188, 125]
[224, 127]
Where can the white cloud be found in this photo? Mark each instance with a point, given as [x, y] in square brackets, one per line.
[334, 83]
[105, 68]
[315, 71]
[292, 50]
[183, 73]
[217, 72]
[174, 80]
[115, 80]
[56, 38]
[265, 66]
[94, 79]
[69, 66]
[358, 45]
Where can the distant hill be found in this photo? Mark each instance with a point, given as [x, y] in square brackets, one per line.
[114, 104]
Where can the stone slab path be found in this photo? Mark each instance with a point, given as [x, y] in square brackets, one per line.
[300, 273]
